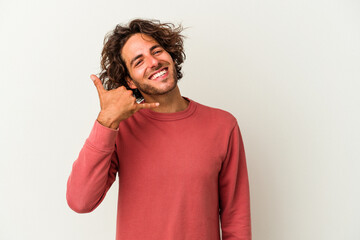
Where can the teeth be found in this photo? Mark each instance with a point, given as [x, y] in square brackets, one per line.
[158, 74]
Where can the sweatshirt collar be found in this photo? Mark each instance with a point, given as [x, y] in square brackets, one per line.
[171, 116]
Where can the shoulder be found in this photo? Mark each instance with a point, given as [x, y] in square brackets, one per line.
[216, 115]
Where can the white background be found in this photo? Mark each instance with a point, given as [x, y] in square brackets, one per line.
[288, 70]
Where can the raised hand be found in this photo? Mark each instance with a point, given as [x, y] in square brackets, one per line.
[116, 104]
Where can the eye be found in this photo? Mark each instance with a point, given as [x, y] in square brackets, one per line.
[158, 51]
[138, 62]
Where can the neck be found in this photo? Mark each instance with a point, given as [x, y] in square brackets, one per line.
[169, 103]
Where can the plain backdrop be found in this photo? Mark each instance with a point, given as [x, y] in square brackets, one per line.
[289, 71]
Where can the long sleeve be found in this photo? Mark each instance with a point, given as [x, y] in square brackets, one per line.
[234, 196]
[94, 170]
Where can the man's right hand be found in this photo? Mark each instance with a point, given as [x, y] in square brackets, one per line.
[116, 104]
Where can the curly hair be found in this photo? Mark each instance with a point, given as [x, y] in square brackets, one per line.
[113, 67]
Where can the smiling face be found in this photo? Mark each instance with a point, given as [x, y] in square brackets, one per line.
[151, 68]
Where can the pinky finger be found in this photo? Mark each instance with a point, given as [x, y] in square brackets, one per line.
[147, 105]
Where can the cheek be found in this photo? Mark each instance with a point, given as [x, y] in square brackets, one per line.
[170, 58]
[138, 73]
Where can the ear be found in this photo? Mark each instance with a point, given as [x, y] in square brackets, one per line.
[130, 82]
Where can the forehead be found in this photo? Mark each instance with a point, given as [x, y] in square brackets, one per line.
[137, 44]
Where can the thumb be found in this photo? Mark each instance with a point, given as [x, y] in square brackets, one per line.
[98, 84]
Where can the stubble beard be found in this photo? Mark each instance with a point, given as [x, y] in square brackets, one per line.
[151, 90]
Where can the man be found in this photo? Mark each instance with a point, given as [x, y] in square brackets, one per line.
[180, 164]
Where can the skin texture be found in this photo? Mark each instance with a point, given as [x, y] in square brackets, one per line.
[143, 57]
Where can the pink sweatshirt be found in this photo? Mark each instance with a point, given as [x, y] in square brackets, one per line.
[178, 172]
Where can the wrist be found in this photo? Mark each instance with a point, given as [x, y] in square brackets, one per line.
[107, 121]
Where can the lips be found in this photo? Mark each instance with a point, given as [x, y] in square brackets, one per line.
[157, 72]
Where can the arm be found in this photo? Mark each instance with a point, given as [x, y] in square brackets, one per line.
[94, 170]
[234, 191]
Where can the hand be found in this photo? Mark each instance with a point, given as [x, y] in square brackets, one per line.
[117, 104]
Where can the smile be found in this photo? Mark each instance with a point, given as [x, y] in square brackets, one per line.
[160, 74]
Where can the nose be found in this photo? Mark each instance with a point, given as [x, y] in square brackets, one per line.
[153, 61]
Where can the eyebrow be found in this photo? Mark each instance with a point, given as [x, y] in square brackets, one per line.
[140, 55]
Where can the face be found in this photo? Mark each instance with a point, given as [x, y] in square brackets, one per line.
[151, 68]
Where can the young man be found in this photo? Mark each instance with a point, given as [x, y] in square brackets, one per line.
[181, 165]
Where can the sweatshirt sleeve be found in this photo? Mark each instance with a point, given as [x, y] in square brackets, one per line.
[94, 171]
[234, 196]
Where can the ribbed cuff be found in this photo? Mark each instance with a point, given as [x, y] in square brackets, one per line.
[102, 138]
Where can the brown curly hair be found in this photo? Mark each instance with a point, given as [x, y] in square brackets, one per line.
[113, 67]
